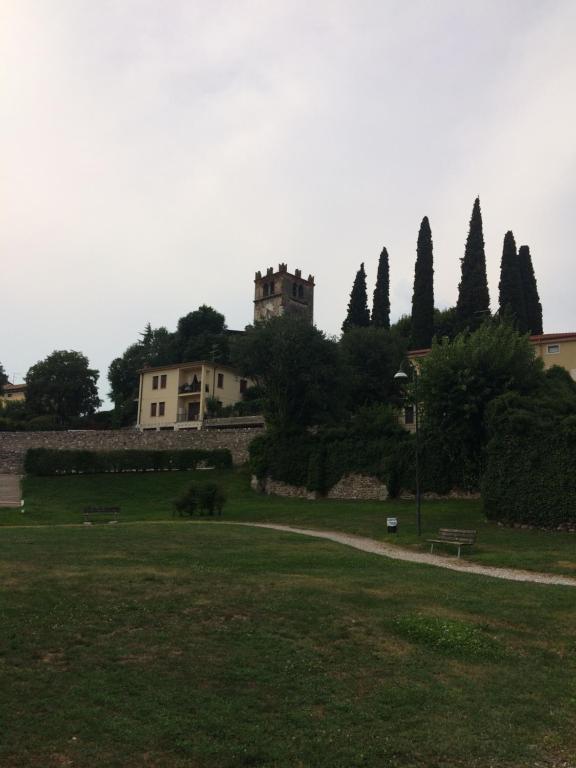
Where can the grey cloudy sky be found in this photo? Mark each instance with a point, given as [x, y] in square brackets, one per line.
[155, 153]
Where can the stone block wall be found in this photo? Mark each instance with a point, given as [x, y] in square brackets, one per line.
[351, 487]
[13, 445]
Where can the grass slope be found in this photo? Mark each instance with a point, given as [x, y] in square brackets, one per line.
[206, 646]
[149, 497]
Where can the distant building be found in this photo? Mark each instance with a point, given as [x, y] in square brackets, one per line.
[176, 396]
[282, 293]
[13, 393]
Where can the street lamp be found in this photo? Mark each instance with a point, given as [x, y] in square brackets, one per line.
[402, 376]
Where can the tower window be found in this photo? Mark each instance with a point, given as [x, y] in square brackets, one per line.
[271, 288]
[265, 289]
[300, 292]
[294, 289]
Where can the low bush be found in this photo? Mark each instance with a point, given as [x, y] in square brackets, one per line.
[202, 498]
[47, 461]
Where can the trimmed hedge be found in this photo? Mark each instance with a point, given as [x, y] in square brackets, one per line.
[530, 474]
[48, 461]
[319, 461]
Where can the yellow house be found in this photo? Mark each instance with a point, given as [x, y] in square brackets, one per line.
[176, 396]
[557, 349]
[13, 393]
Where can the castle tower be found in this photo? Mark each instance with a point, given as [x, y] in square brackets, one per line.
[280, 293]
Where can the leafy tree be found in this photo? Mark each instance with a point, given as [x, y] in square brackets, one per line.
[445, 323]
[358, 313]
[201, 335]
[473, 304]
[511, 291]
[458, 381]
[530, 289]
[297, 368]
[3, 378]
[423, 296]
[156, 347]
[381, 300]
[62, 386]
[370, 358]
[401, 330]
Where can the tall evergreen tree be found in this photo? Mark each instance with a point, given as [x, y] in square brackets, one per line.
[381, 300]
[358, 313]
[510, 286]
[473, 303]
[531, 298]
[422, 327]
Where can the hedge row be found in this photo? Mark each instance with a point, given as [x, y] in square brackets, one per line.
[318, 462]
[530, 475]
[48, 461]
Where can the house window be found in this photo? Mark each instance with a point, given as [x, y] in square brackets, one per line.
[154, 382]
[153, 409]
[220, 380]
[553, 349]
[243, 385]
[163, 378]
[207, 387]
[161, 409]
[409, 414]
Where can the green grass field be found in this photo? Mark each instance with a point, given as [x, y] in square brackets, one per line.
[206, 646]
[150, 496]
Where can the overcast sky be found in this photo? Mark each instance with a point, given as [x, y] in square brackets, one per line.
[156, 153]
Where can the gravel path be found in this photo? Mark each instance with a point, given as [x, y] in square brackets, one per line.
[397, 553]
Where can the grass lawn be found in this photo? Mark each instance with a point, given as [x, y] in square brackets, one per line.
[149, 497]
[206, 646]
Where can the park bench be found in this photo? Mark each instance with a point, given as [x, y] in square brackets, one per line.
[102, 514]
[457, 536]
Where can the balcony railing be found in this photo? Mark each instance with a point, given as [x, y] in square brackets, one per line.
[185, 389]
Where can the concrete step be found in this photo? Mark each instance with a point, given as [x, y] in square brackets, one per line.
[10, 490]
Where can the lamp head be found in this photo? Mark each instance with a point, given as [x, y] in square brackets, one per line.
[401, 375]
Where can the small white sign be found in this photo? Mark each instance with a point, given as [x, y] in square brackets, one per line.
[391, 521]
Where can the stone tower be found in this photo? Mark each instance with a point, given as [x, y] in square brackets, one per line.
[281, 293]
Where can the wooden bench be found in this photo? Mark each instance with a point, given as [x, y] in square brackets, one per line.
[457, 536]
[92, 514]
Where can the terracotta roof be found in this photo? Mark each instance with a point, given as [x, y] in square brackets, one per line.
[552, 336]
[14, 387]
[533, 339]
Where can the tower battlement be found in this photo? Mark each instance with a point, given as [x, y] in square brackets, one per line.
[280, 292]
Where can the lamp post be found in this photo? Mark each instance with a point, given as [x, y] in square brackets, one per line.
[402, 376]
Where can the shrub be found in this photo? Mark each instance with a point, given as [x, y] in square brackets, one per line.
[207, 497]
[47, 461]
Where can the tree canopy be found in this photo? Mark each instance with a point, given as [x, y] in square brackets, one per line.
[422, 326]
[512, 305]
[473, 304]
[532, 303]
[297, 369]
[358, 313]
[62, 385]
[381, 299]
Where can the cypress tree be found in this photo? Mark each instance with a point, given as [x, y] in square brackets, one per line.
[531, 298]
[381, 301]
[510, 286]
[423, 296]
[473, 303]
[358, 313]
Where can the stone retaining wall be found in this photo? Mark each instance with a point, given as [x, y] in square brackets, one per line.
[350, 487]
[13, 445]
